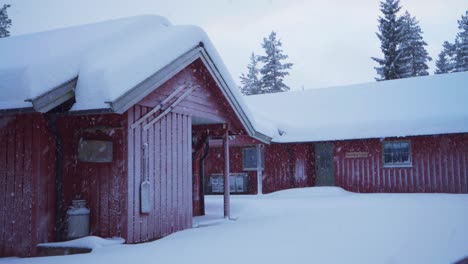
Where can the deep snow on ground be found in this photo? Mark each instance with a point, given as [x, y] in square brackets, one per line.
[310, 225]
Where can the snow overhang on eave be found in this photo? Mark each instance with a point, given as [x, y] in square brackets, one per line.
[55, 97]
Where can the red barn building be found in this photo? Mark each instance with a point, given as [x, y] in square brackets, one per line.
[140, 119]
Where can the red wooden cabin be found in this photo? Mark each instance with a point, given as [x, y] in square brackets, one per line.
[407, 135]
[132, 161]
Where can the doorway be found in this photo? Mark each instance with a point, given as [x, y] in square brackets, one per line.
[324, 165]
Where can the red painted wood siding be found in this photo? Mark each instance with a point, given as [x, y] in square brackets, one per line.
[439, 164]
[214, 163]
[286, 166]
[27, 175]
[207, 101]
[102, 185]
[170, 142]
[170, 175]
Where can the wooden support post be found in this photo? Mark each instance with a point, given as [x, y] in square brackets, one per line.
[227, 203]
[259, 170]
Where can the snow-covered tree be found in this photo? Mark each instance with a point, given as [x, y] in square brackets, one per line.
[5, 22]
[413, 54]
[251, 81]
[273, 70]
[445, 63]
[390, 35]
[461, 44]
[454, 57]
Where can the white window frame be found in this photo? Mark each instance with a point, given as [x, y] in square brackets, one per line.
[407, 164]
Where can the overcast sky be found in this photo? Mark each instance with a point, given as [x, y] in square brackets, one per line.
[330, 42]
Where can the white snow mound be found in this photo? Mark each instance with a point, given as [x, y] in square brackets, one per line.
[91, 242]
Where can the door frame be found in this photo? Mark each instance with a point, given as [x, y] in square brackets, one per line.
[319, 147]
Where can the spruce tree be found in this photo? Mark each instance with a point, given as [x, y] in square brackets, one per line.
[273, 70]
[413, 54]
[445, 63]
[251, 81]
[461, 44]
[442, 64]
[5, 22]
[454, 57]
[390, 35]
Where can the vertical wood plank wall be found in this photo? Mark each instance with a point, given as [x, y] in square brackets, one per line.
[286, 166]
[205, 102]
[439, 164]
[102, 185]
[170, 175]
[27, 175]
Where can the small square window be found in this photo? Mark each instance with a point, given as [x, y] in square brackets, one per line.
[397, 154]
[249, 158]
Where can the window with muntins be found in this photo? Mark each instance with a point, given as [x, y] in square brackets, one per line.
[249, 158]
[396, 154]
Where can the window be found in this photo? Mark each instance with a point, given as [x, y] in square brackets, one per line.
[249, 158]
[95, 151]
[237, 181]
[396, 154]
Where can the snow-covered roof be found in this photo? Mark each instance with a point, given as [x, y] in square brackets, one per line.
[99, 53]
[106, 60]
[407, 107]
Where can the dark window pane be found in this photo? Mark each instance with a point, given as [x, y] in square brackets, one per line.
[387, 147]
[387, 158]
[405, 145]
[405, 157]
[249, 158]
[396, 153]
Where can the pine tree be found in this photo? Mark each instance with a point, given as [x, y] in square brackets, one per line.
[251, 81]
[390, 35]
[445, 63]
[273, 70]
[454, 57]
[5, 22]
[461, 44]
[413, 54]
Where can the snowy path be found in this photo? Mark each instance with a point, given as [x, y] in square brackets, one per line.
[314, 225]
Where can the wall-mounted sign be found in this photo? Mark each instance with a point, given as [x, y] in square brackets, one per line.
[96, 151]
[356, 155]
